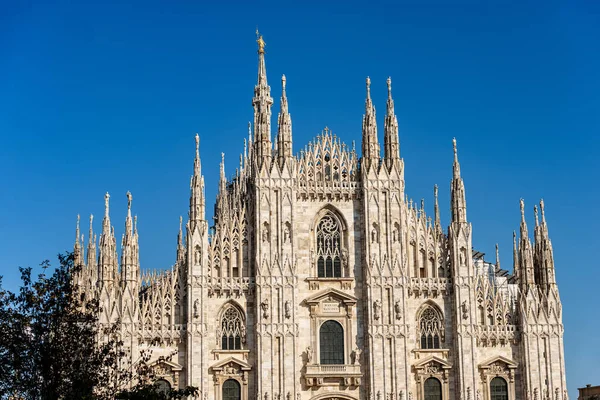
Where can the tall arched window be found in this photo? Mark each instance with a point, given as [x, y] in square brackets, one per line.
[433, 389]
[231, 390]
[329, 242]
[430, 328]
[498, 389]
[232, 327]
[331, 339]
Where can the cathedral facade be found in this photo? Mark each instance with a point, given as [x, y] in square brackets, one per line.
[321, 280]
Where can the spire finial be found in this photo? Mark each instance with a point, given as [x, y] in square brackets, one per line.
[454, 146]
[389, 86]
[368, 88]
[497, 257]
[535, 212]
[106, 198]
[283, 83]
[197, 143]
[542, 210]
[522, 202]
[129, 199]
[77, 229]
[91, 222]
[260, 41]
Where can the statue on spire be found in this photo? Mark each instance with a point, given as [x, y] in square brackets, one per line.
[261, 42]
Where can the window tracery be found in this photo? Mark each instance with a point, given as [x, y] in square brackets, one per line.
[430, 328]
[329, 240]
[232, 330]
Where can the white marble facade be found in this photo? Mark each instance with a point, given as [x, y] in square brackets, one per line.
[320, 280]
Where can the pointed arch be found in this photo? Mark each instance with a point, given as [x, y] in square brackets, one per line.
[231, 323]
[329, 235]
[430, 326]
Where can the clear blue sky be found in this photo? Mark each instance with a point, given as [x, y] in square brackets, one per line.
[108, 96]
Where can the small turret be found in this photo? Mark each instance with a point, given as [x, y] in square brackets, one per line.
[180, 246]
[370, 145]
[77, 248]
[91, 254]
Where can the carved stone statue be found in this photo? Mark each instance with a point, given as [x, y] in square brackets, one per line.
[265, 308]
[357, 356]
[398, 310]
[288, 309]
[196, 305]
[309, 355]
[377, 309]
[286, 232]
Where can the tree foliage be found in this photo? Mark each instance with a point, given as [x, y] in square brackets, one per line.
[50, 347]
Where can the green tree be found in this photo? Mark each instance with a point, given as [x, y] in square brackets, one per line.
[49, 345]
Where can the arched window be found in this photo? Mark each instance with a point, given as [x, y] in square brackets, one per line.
[329, 242]
[232, 328]
[331, 338]
[430, 328]
[498, 389]
[163, 386]
[231, 390]
[433, 389]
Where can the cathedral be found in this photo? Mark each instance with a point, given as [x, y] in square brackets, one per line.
[320, 280]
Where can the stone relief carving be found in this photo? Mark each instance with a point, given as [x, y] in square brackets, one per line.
[309, 355]
[465, 311]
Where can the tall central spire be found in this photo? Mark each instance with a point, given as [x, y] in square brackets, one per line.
[370, 146]
[262, 103]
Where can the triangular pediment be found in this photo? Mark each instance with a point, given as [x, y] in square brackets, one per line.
[443, 363]
[509, 363]
[241, 364]
[170, 364]
[334, 294]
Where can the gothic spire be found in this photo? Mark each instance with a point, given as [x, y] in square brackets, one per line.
[497, 257]
[107, 261]
[284, 132]
[91, 250]
[525, 252]
[457, 192]
[180, 246]
[129, 248]
[262, 103]
[370, 146]
[77, 250]
[390, 137]
[196, 213]
[436, 210]
[545, 253]
[222, 179]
